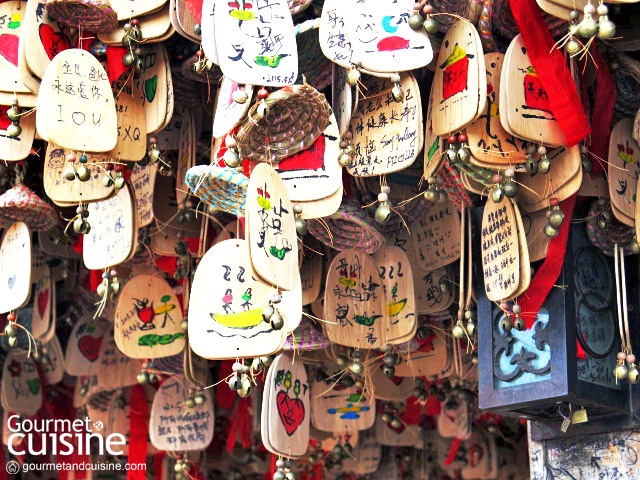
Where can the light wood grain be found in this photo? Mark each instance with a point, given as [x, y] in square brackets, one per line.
[15, 267]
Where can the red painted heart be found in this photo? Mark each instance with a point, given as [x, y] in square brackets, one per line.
[53, 42]
[9, 47]
[291, 412]
[90, 347]
[43, 302]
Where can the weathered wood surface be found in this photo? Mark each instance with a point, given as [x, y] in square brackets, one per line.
[611, 456]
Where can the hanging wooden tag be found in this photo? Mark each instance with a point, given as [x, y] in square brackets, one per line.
[21, 386]
[398, 296]
[500, 250]
[175, 427]
[334, 41]
[402, 436]
[323, 207]
[271, 230]
[225, 306]
[16, 148]
[366, 456]
[148, 317]
[42, 301]
[53, 365]
[381, 37]
[76, 105]
[436, 236]
[189, 13]
[341, 98]
[537, 242]
[169, 136]
[341, 409]
[15, 267]
[526, 113]
[132, 131]
[229, 113]
[311, 277]
[143, 180]
[489, 141]
[154, 86]
[455, 422]
[431, 358]
[287, 407]
[623, 170]
[459, 89]
[328, 441]
[394, 389]
[64, 192]
[386, 133]
[13, 12]
[83, 347]
[128, 9]
[119, 416]
[186, 154]
[155, 27]
[208, 31]
[113, 230]
[314, 173]
[115, 370]
[433, 152]
[353, 301]
[44, 37]
[562, 182]
[256, 43]
[525, 273]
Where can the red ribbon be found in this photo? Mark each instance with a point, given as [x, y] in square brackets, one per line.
[549, 271]
[240, 426]
[602, 111]
[137, 432]
[158, 459]
[115, 67]
[455, 445]
[412, 412]
[552, 70]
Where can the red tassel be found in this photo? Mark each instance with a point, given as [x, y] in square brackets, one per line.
[137, 432]
[240, 426]
[602, 111]
[115, 67]
[455, 445]
[549, 271]
[433, 406]
[158, 459]
[552, 70]
[412, 411]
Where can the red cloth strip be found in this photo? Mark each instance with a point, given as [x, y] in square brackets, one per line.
[552, 71]
[602, 111]
[115, 67]
[455, 445]
[549, 271]
[137, 432]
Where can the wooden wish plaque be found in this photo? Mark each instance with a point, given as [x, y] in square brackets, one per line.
[15, 267]
[387, 133]
[147, 319]
[173, 426]
[225, 306]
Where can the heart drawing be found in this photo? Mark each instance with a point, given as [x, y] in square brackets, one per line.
[11, 281]
[150, 88]
[43, 302]
[291, 411]
[89, 347]
[9, 47]
[53, 42]
[34, 385]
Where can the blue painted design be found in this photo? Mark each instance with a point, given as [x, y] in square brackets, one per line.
[386, 24]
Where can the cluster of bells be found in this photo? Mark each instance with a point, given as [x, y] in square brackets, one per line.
[240, 382]
[79, 222]
[301, 226]
[182, 250]
[338, 454]
[511, 318]
[422, 18]
[461, 329]
[131, 39]
[390, 415]
[537, 160]
[147, 375]
[588, 28]
[352, 361]
[181, 469]
[203, 64]
[622, 371]
[390, 360]
[13, 115]
[271, 314]
[353, 77]
[11, 331]
[383, 211]
[434, 192]
[283, 471]
[153, 155]
[110, 285]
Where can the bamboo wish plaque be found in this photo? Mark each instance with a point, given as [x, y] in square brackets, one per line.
[387, 133]
[623, 170]
[132, 129]
[225, 306]
[15, 267]
[76, 109]
[148, 317]
[21, 385]
[436, 241]
[272, 237]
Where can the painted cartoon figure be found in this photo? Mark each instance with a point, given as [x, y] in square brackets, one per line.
[227, 300]
[146, 313]
[456, 70]
[377, 34]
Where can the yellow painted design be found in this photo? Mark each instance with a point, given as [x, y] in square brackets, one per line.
[396, 307]
[242, 15]
[249, 319]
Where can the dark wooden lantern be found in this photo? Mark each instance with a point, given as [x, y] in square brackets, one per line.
[568, 356]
